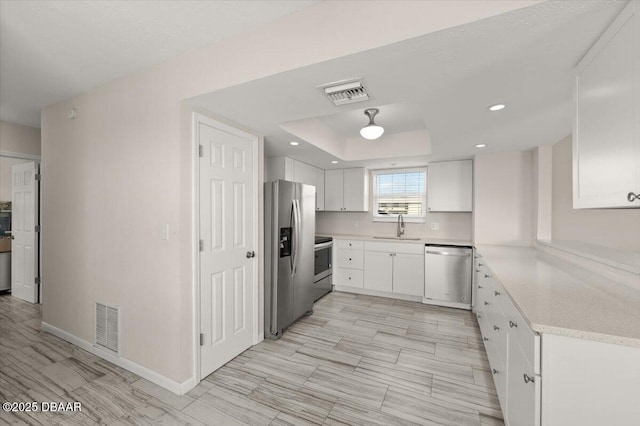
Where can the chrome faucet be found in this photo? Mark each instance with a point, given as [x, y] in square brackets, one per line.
[400, 229]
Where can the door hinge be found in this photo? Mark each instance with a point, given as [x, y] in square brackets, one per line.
[201, 245]
[201, 339]
[37, 228]
[38, 176]
[37, 280]
[200, 154]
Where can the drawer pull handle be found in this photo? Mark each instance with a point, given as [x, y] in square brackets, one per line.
[349, 258]
[349, 277]
[480, 286]
[477, 270]
[479, 316]
[496, 328]
[632, 197]
[486, 303]
[497, 293]
[486, 339]
[494, 371]
[480, 264]
[527, 379]
[487, 276]
[513, 324]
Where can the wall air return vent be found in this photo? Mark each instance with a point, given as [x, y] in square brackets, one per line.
[108, 327]
[345, 91]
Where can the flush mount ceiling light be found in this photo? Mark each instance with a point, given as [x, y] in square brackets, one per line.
[371, 131]
[497, 107]
[481, 145]
[294, 143]
[334, 162]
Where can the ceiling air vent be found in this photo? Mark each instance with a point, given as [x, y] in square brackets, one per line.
[345, 91]
[108, 327]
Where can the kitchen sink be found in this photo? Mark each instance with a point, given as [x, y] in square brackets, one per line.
[398, 238]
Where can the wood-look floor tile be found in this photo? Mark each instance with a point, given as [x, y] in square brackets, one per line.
[300, 402]
[490, 421]
[427, 363]
[295, 372]
[162, 394]
[456, 330]
[482, 377]
[371, 350]
[241, 380]
[468, 395]
[239, 407]
[284, 419]
[360, 390]
[332, 357]
[348, 413]
[392, 374]
[425, 410]
[437, 337]
[473, 357]
[381, 325]
[403, 342]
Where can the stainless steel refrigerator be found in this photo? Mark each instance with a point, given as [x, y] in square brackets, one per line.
[289, 253]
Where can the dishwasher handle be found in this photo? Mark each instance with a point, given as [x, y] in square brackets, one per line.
[446, 253]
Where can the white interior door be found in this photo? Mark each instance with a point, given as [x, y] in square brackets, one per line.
[227, 218]
[24, 247]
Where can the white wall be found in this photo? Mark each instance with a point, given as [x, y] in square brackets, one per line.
[123, 168]
[503, 198]
[15, 139]
[615, 228]
[542, 187]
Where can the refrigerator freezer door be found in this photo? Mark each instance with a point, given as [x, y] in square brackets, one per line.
[305, 234]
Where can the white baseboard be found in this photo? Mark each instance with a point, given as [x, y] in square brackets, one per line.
[152, 376]
[367, 292]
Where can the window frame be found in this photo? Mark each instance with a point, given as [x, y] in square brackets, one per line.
[393, 218]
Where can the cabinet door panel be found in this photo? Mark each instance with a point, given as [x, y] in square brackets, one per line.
[408, 274]
[523, 403]
[355, 190]
[333, 190]
[319, 189]
[378, 271]
[304, 173]
[606, 145]
[450, 186]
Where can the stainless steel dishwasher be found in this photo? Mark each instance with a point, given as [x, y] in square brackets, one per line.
[447, 275]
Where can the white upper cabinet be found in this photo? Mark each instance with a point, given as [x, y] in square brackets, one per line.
[296, 171]
[606, 136]
[346, 190]
[319, 189]
[450, 186]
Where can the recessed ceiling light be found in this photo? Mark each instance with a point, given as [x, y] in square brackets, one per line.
[334, 162]
[294, 143]
[481, 145]
[497, 107]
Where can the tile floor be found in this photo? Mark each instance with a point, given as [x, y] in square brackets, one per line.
[358, 360]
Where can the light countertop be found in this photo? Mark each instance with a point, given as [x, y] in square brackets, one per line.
[422, 240]
[558, 297]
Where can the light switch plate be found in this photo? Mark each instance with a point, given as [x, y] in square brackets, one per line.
[435, 226]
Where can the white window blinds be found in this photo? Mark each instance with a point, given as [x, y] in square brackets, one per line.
[399, 192]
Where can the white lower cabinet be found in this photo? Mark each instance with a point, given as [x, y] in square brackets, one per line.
[349, 277]
[523, 401]
[408, 274]
[378, 271]
[513, 350]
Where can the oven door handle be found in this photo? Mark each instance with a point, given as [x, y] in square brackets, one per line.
[323, 245]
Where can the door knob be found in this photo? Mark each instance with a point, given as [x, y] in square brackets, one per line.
[251, 254]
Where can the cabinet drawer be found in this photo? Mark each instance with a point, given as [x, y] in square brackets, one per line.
[523, 404]
[519, 331]
[349, 277]
[350, 244]
[352, 259]
[388, 247]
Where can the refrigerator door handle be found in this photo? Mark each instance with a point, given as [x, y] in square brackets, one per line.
[294, 237]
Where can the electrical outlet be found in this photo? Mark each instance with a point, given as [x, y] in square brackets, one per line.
[355, 224]
[435, 226]
[165, 231]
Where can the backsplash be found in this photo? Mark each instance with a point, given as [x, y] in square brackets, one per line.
[451, 225]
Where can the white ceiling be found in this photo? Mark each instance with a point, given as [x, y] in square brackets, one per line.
[54, 50]
[523, 58]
